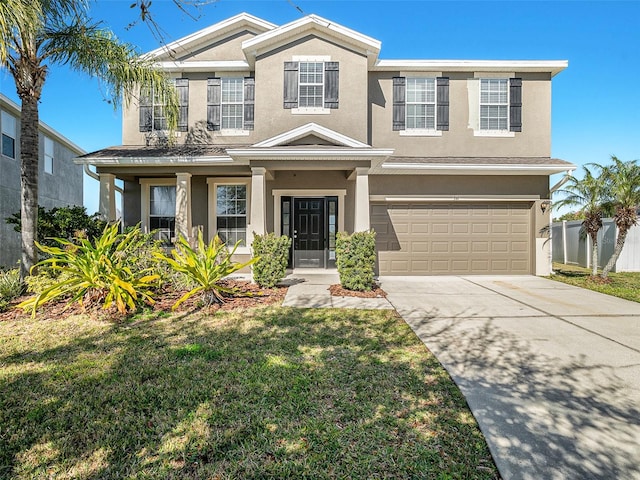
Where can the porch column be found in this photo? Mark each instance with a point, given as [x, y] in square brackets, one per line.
[107, 205]
[361, 221]
[258, 202]
[183, 205]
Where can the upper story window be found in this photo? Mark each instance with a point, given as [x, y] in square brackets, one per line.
[420, 105]
[8, 135]
[494, 104]
[48, 155]
[311, 86]
[153, 111]
[230, 104]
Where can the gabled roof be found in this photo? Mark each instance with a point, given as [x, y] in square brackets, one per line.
[211, 34]
[322, 27]
[312, 129]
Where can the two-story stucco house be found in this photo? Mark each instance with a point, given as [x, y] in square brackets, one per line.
[301, 129]
[60, 180]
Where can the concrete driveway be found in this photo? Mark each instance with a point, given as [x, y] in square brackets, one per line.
[550, 371]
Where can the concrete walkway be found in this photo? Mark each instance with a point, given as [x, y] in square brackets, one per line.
[550, 371]
[310, 289]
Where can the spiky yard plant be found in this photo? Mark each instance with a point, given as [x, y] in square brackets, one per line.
[101, 270]
[206, 265]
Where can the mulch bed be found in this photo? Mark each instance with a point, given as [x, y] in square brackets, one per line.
[249, 295]
[338, 291]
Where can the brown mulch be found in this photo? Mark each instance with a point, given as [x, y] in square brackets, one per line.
[249, 295]
[339, 291]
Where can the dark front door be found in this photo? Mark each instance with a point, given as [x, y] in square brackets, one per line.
[309, 232]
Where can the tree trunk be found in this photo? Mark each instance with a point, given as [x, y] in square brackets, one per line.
[622, 236]
[594, 255]
[29, 155]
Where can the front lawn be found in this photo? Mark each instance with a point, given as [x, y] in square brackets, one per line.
[624, 285]
[264, 393]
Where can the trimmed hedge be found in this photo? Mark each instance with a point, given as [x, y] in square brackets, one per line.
[356, 259]
[273, 253]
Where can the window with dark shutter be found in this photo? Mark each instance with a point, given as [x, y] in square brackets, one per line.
[145, 110]
[182, 87]
[290, 84]
[331, 84]
[249, 102]
[442, 103]
[399, 104]
[515, 104]
[213, 103]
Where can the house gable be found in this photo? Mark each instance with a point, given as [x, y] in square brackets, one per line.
[311, 132]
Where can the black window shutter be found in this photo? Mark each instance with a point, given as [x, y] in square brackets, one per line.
[290, 84]
[515, 104]
[399, 86]
[442, 115]
[249, 102]
[145, 110]
[331, 84]
[214, 87]
[182, 86]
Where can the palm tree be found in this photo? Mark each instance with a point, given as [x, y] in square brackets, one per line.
[37, 33]
[589, 194]
[623, 184]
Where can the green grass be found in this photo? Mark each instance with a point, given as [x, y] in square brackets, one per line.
[264, 393]
[624, 285]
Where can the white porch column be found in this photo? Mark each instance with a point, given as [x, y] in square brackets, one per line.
[107, 205]
[183, 205]
[361, 221]
[258, 220]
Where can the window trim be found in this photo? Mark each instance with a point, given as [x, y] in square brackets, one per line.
[499, 131]
[145, 200]
[48, 141]
[212, 184]
[223, 103]
[314, 109]
[421, 132]
[13, 121]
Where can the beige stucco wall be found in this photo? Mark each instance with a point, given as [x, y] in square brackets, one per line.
[459, 140]
[230, 48]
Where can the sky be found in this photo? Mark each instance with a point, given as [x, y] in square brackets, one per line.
[595, 104]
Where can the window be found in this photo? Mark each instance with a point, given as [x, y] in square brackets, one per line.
[48, 155]
[494, 104]
[311, 85]
[8, 135]
[152, 111]
[231, 213]
[162, 211]
[421, 103]
[230, 104]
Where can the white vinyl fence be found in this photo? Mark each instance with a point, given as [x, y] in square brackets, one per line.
[571, 245]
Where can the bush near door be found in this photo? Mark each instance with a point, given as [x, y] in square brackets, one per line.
[355, 259]
[273, 255]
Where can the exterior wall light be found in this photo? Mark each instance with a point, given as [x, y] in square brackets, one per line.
[544, 205]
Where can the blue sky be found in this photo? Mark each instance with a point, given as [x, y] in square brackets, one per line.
[596, 101]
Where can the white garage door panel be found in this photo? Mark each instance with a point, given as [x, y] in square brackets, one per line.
[453, 238]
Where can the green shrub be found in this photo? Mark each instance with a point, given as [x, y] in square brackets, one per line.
[103, 270]
[355, 259]
[206, 265]
[273, 253]
[63, 222]
[10, 285]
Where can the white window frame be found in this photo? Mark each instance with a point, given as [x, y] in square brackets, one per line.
[224, 80]
[421, 132]
[49, 148]
[213, 184]
[498, 104]
[9, 129]
[145, 200]
[311, 110]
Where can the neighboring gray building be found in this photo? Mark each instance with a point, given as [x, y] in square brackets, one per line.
[301, 129]
[60, 180]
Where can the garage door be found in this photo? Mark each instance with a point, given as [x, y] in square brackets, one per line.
[453, 238]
